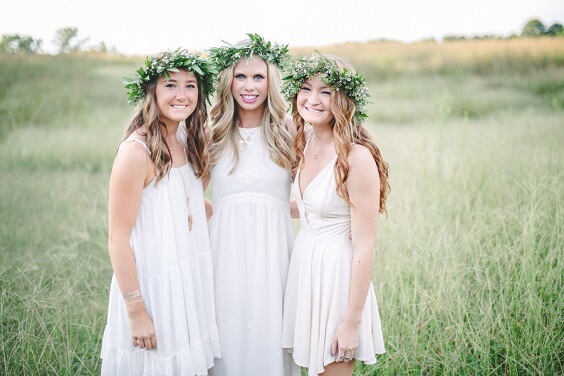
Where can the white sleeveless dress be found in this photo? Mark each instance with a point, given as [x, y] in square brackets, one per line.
[175, 273]
[251, 234]
[319, 279]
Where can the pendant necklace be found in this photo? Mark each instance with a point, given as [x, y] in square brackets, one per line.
[248, 138]
[186, 192]
[316, 153]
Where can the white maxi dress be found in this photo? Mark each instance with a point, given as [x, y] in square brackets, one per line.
[251, 234]
[175, 273]
[319, 279]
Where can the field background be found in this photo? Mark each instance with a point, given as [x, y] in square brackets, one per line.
[469, 263]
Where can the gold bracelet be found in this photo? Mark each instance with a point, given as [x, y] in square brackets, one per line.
[133, 297]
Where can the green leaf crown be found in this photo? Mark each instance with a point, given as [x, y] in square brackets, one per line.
[162, 64]
[352, 83]
[224, 57]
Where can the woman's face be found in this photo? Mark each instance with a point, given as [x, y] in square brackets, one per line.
[314, 102]
[250, 83]
[177, 97]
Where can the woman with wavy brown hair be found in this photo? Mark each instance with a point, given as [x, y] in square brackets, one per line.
[331, 315]
[161, 315]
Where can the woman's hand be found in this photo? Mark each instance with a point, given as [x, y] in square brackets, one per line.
[345, 341]
[142, 330]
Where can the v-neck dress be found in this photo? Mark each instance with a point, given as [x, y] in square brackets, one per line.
[317, 290]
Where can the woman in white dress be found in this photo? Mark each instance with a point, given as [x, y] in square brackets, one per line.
[331, 316]
[161, 315]
[251, 230]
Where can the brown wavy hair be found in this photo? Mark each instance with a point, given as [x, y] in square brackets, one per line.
[346, 131]
[146, 116]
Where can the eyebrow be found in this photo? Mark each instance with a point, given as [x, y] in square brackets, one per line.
[175, 80]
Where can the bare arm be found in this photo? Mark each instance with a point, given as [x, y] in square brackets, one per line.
[294, 213]
[291, 125]
[209, 208]
[129, 176]
[363, 185]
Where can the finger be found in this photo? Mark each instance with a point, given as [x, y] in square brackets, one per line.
[334, 348]
[148, 343]
[142, 343]
[154, 342]
[134, 342]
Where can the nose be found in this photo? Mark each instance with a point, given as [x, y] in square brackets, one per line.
[313, 98]
[249, 84]
[181, 93]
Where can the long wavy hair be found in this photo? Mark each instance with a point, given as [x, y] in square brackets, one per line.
[346, 131]
[223, 115]
[146, 116]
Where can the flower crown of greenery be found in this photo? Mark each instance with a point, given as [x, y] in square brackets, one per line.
[352, 83]
[224, 57]
[162, 64]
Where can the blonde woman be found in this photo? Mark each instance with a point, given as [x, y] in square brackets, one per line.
[251, 230]
[331, 315]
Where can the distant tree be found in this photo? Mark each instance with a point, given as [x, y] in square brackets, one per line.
[66, 39]
[15, 43]
[533, 28]
[555, 29]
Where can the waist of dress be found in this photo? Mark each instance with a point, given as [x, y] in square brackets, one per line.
[250, 197]
[334, 233]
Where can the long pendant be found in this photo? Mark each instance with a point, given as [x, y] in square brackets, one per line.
[189, 214]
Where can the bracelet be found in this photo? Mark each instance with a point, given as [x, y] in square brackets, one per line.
[133, 297]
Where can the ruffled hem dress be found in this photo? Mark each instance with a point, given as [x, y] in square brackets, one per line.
[175, 273]
[319, 277]
[251, 234]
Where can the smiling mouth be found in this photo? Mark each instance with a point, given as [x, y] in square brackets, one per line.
[179, 106]
[313, 109]
[249, 98]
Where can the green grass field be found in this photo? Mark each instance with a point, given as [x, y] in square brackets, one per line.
[469, 268]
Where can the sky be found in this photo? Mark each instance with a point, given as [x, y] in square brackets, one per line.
[142, 27]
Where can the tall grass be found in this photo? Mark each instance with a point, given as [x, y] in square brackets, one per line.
[469, 274]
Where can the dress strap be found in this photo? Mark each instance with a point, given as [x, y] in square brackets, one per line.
[138, 141]
[308, 140]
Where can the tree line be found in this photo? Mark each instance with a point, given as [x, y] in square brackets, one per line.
[66, 39]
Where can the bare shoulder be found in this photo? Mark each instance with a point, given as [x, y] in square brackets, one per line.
[132, 153]
[363, 178]
[360, 157]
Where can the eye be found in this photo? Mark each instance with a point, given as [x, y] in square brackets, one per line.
[258, 77]
[326, 93]
[170, 85]
[305, 88]
[191, 86]
[240, 76]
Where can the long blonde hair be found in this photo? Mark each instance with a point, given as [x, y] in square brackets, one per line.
[346, 131]
[146, 117]
[223, 117]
